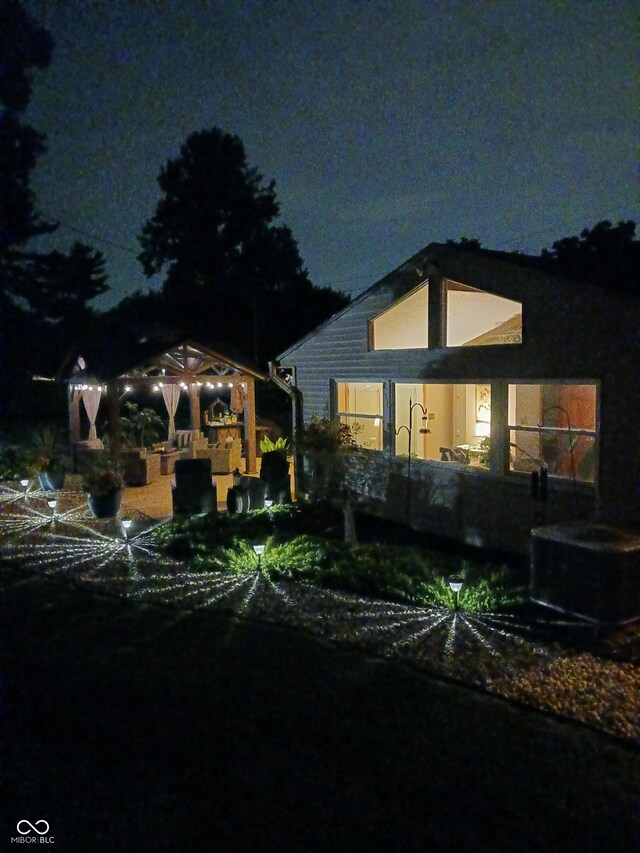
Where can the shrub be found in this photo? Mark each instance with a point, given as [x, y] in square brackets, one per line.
[100, 480]
[296, 549]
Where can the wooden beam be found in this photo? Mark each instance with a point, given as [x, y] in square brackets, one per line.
[250, 427]
[194, 405]
[74, 417]
[113, 416]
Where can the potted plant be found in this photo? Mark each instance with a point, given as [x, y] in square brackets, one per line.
[103, 484]
[274, 468]
[48, 463]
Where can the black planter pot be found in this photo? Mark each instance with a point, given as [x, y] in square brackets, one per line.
[50, 482]
[105, 506]
[274, 470]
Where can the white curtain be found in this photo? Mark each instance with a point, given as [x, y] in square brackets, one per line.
[91, 399]
[171, 394]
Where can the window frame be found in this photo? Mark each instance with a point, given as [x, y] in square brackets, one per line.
[467, 467]
[452, 285]
[340, 414]
[371, 339]
[552, 430]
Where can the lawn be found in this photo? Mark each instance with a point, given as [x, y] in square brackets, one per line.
[152, 704]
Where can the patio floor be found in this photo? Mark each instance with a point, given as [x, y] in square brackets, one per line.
[154, 500]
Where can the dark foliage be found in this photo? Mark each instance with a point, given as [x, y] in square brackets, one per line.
[605, 255]
[215, 233]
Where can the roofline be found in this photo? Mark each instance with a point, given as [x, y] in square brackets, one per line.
[421, 256]
[241, 368]
[356, 301]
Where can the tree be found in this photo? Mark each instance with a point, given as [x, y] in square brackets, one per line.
[64, 284]
[215, 235]
[337, 467]
[604, 255]
[24, 45]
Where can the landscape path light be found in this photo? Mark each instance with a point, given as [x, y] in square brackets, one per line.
[259, 549]
[25, 486]
[52, 503]
[126, 526]
[455, 585]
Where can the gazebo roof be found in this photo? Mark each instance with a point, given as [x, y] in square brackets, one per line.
[189, 359]
[184, 360]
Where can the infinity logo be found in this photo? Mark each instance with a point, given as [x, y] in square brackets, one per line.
[33, 827]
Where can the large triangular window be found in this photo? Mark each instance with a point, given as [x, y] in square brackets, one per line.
[476, 318]
[405, 324]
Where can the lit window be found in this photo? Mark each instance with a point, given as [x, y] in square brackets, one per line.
[476, 318]
[449, 422]
[405, 324]
[360, 408]
[554, 425]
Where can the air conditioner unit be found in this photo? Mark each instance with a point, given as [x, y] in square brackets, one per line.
[591, 571]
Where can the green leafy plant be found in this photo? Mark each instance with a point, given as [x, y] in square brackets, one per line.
[480, 591]
[140, 425]
[268, 446]
[299, 549]
[297, 558]
[102, 479]
[45, 452]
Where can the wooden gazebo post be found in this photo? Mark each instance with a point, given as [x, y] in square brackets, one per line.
[250, 425]
[113, 415]
[194, 405]
[74, 416]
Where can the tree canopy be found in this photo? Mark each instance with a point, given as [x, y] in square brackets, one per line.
[24, 46]
[605, 255]
[227, 259]
[62, 284]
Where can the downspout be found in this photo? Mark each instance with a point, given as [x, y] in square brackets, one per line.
[296, 418]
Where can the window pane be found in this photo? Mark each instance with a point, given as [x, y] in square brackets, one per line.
[477, 318]
[362, 398]
[550, 410]
[405, 324]
[360, 407]
[459, 422]
[530, 449]
[367, 432]
[553, 405]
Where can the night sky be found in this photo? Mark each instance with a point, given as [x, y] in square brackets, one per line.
[386, 125]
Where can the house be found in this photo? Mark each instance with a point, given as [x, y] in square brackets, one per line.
[518, 391]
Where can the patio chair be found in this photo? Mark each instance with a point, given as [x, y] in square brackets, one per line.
[195, 490]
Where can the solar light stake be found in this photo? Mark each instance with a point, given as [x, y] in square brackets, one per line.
[25, 486]
[126, 524]
[52, 506]
[455, 585]
[259, 549]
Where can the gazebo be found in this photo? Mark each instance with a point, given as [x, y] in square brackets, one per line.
[185, 367]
